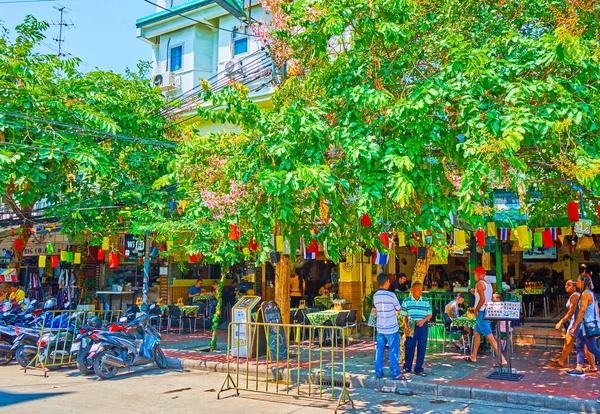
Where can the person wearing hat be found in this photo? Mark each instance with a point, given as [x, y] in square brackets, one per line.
[483, 295]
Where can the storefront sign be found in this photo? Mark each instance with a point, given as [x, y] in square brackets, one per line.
[8, 275]
[133, 246]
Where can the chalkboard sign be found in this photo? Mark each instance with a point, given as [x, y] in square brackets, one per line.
[258, 276]
[275, 334]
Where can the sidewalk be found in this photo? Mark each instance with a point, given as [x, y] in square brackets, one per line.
[544, 384]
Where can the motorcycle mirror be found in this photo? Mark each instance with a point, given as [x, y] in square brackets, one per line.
[153, 306]
[123, 319]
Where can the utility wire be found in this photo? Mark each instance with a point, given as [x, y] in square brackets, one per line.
[89, 131]
[197, 21]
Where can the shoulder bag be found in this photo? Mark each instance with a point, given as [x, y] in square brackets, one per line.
[592, 328]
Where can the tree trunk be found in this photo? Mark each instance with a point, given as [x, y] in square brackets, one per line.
[17, 258]
[217, 316]
[421, 267]
[282, 287]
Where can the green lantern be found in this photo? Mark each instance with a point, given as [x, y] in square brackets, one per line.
[49, 248]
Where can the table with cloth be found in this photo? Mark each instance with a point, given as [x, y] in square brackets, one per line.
[519, 293]
[463, 322]
[185, 310]
[319, 318]
[323, 302]
[206, 298]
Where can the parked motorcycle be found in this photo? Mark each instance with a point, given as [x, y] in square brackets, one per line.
[114, 350]
[83, 342]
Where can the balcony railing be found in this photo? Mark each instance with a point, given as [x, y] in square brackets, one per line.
[256, 71]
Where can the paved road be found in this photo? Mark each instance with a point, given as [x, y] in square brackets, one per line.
[149, 390]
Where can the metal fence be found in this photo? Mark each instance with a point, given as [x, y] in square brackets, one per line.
[58, 332]
[288, 360]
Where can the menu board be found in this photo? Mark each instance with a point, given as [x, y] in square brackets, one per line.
[275, 334]
[503, 311]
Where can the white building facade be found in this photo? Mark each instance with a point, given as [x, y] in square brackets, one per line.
[205, 39]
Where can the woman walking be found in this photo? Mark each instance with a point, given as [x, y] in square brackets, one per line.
[584, 328]
[571, 288]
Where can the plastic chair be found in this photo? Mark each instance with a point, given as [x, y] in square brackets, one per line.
[175, 313]
[341, 321]
[450, 330]
[351, 320]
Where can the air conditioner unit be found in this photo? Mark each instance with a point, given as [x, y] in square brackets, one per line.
[233, 68]
[166, 81]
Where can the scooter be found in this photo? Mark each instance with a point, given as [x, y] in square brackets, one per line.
[83, 342]
[112, 350]
[54, 345]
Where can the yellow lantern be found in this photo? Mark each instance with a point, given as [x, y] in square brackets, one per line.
[77, 258]
[42, 261]
[63, 255]
[106, 243]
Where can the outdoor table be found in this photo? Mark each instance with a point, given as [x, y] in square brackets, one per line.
[319, 318]
[323, 302]
[111, 295]
[463, 321]
[206, 298]
[519, 293]
[185, 310]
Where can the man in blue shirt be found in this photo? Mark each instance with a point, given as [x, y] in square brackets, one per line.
[195, 290]
[387, 306]
[416, 313]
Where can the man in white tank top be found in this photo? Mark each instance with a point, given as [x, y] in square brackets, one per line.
[483, 295]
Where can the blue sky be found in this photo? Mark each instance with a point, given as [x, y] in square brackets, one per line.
[104, 32]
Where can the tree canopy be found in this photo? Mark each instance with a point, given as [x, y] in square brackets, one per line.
[87, 146]
[408, 110]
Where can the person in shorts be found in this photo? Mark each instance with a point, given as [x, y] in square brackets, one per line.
[483, 295]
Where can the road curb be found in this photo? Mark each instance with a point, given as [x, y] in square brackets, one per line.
[419, 387]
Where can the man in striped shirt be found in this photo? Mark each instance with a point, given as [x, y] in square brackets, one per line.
[416, 313]
[387, 305]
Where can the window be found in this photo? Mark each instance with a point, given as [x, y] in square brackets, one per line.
[176, 56]
[240, 41]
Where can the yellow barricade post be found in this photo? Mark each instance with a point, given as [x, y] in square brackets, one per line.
[267, 362]
[58, 332]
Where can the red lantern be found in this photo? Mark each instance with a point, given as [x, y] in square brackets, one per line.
[54, 262]
[385, 239]
[19, 244]
[193, 258]
[253, 244]
[547, 239]
[100, 254]
[365, 220]
[414, 249]
[113, 260]
[480, 236]
[313, 246]
[234, 233]
[573, 211]
[162, 248]
[598, 211]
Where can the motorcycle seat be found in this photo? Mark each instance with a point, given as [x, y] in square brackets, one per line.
[122, 335]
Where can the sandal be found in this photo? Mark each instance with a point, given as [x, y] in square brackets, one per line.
[589, 369]
[468, 359]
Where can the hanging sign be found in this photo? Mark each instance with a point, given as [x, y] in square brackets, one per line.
[8, 275]
[131, 246]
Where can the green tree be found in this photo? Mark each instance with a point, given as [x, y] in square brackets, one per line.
[87, 145]
[408, 110]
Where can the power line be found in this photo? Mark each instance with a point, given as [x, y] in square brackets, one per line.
[89, 131]
[24, 1]
[194, 20]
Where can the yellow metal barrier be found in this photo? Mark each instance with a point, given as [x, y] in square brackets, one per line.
[58, 332]
[273, 358]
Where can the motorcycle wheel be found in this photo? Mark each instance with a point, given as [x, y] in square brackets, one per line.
[24, 354]
[85, 364]
[104, 371]
[5, 358]
[160, 358]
